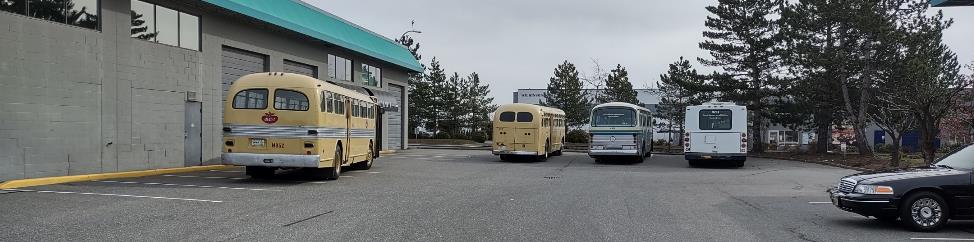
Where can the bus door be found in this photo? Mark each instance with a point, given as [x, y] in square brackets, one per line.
[347, 148]
[379, 126]
[526, 132]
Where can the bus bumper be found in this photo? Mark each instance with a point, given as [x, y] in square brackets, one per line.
[715, 156]
[271, 160]
[514, 152]
[594, 153]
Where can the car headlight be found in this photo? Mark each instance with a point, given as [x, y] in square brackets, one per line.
[874, 189]
[597, 147]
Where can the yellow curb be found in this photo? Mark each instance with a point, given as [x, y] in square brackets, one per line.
[115, 175]
[386, 152]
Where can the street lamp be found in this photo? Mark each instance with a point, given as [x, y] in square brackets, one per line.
[411, 31]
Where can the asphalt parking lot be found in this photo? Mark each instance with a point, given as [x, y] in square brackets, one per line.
[455, 195]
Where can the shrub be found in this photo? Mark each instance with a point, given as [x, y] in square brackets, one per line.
[478, 137]
[577, 136]
[442, 135]
[883, 148]
[951, 147]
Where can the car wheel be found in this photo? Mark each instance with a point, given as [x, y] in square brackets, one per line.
[260, 172]
[924, 212]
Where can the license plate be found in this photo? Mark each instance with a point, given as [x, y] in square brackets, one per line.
[258, 142]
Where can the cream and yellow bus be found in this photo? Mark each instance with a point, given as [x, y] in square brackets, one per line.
[528, 130]
[280, 120]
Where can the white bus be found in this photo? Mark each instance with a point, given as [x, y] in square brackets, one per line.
[716, 131]
[621, 130]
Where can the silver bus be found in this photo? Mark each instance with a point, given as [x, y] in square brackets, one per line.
[621, 131]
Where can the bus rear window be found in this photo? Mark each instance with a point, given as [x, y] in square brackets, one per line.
[250, 99]
[290, 100]
[525, 117]
[507, 117]
[715, 119]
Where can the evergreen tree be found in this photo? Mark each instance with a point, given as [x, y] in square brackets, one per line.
[420, 97]
[618, 88]
[565, 92]
[434, 82]
[679, 87]
[742, 39]
[479, 106]
[454, 95]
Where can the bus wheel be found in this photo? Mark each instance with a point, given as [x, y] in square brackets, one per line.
[367, 164]
[506, 158]
[332, 173]
[260, 172]
[739, 163]
[694, 163]
[556, 153]
[545, 155]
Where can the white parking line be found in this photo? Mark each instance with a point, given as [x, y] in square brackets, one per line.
[347, 176]
[819, 202]
[188, 185]
[207, 177]
[116, 195]
[374, 172]
[943, 239]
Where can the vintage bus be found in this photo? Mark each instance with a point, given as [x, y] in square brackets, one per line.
[716, 131]
[281, 121]
[527, 130]
[621, 130]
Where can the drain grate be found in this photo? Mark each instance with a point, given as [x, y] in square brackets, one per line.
[552, 177]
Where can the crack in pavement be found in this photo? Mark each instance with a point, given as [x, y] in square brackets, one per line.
[306, 219]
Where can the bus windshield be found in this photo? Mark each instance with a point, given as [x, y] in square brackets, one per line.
[715, 119]
[613, 117]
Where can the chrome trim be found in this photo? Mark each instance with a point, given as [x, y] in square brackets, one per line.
[295, 131]
[514, 152]
[613, 152]
[846, 185]
[861, 201]
[278, 160]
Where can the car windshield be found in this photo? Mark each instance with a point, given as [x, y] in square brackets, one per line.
[961, 159]
[613, 117]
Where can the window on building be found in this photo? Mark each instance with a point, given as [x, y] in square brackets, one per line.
[371, 76]
[250, 99]
[290, 100]
[339, 68]
[165, 25]
[81, 13]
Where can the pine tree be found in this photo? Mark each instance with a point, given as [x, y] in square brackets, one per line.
[420, 97]
[680, 87]
[434, 105]
[742, 40]
[565, 92]
[479, 106]
[618, 88]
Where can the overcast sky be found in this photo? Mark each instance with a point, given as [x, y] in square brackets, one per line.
[516, 44]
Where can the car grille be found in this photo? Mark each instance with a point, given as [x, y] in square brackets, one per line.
[847, 185]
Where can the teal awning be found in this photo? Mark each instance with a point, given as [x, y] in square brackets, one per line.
[949, 3]
[316, 23]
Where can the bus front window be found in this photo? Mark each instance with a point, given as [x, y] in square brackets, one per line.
[613, 117]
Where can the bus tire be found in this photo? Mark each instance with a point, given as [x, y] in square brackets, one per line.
[260, 172]
[332, 173]
[739, 163]
[506, 157]
[544, 156]
[556, 153]
[366, 164]
[694, 163]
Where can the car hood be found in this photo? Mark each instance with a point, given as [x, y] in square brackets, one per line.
[902, 174]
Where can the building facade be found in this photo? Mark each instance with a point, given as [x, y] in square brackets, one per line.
[648, 98]
[93, 86]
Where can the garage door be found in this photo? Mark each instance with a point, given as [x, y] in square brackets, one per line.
[394, 122]
[237, 63]
[300, 68]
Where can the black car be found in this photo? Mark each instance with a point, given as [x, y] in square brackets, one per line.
[924, 198]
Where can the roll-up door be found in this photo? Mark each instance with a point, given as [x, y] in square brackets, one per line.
[394, 119]
[300, 68]
[238, 63]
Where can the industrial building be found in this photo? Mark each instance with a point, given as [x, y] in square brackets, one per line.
[93, 86]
